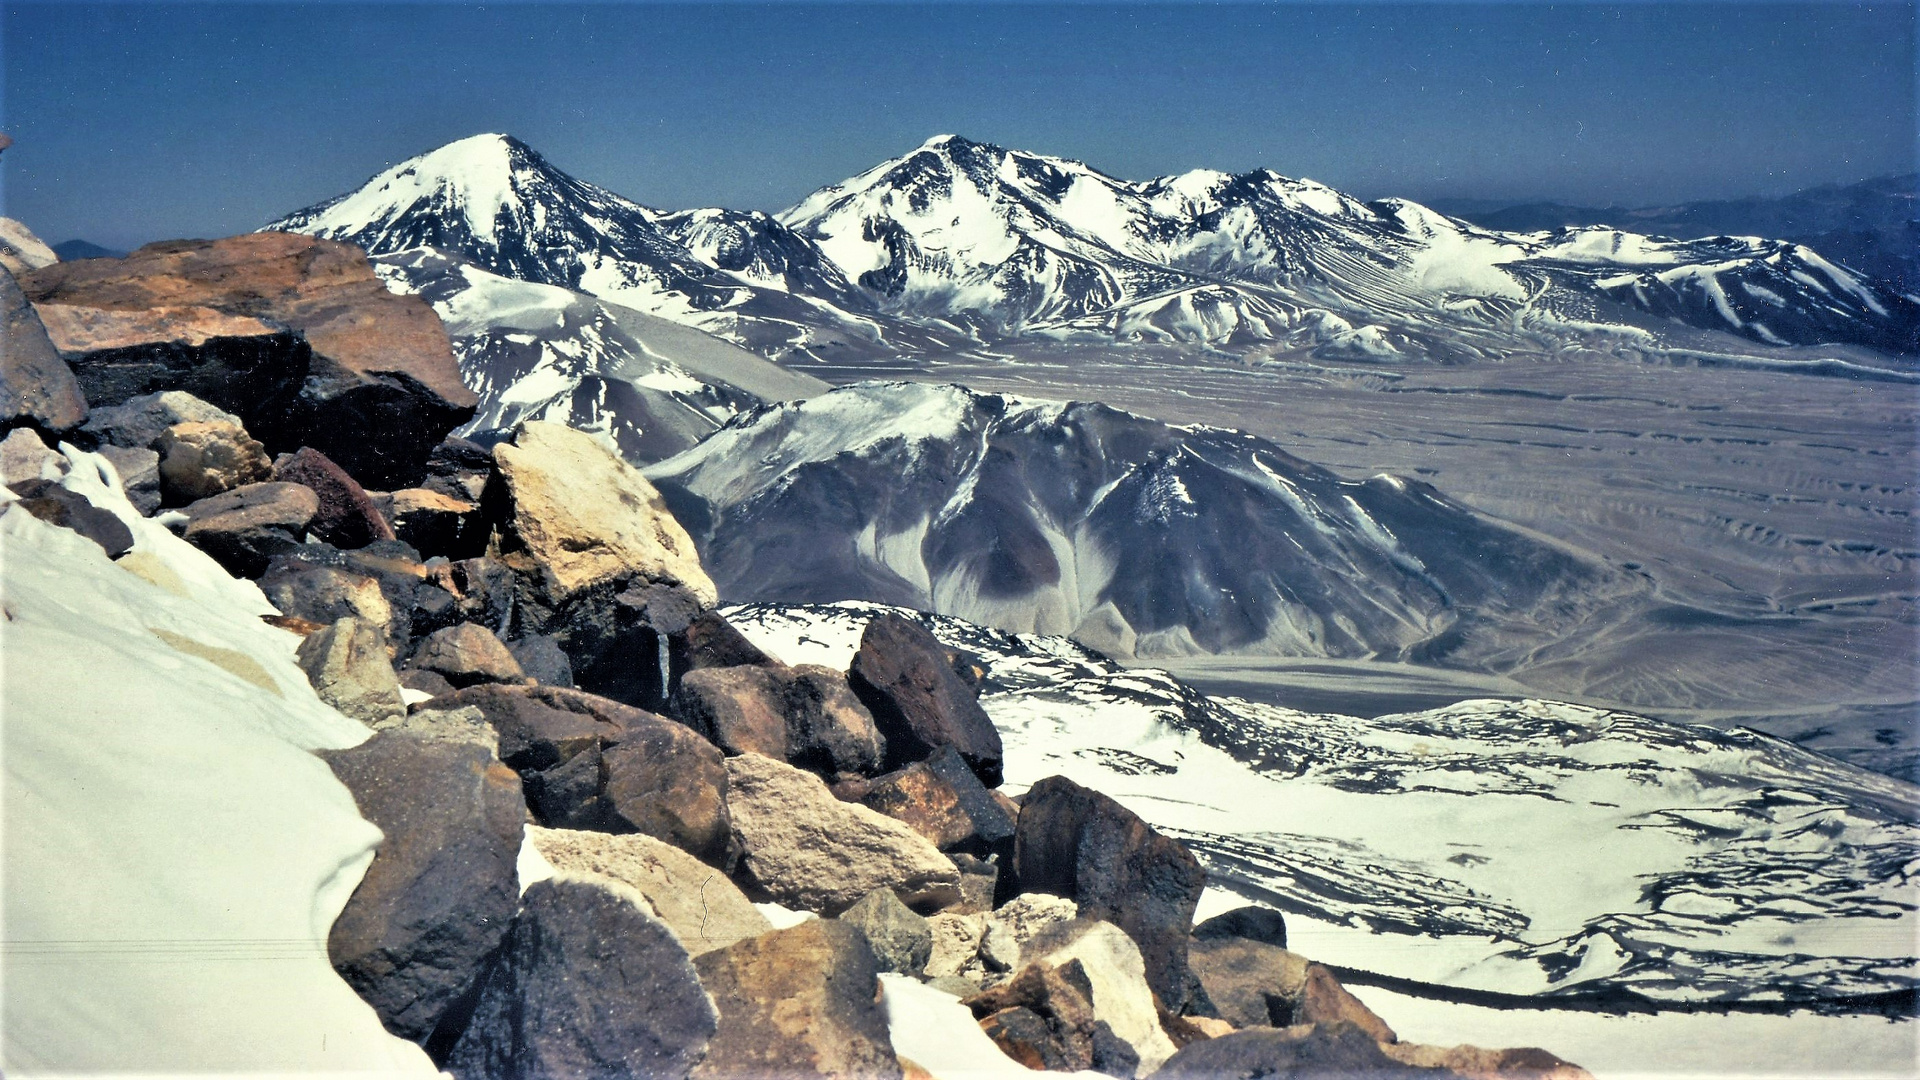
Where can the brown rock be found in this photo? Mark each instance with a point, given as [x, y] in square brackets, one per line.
[138, 422]
[1060, 998]
[664, 780]
[324, 594]
[200, 459]
[245, 528]
[467, 654]
[713, 642]
[36, 385]
[1325, 1001]
[945, 802]
[295, 334]
[348, 667]
[1324, 1050]
[56, 505]
[24, 457]
[1474, 1063]
[906, 681]
[437, 524]
[347, 517]
[742, 710]
[828, 730]
[538, 731]
[795, 1003]
[1078, 843]
[1251, 983]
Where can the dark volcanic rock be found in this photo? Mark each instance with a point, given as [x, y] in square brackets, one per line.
[828, 729]
[435, 523]
[905, 678]
[540, 730]
[541, 657]
[321, 593]
[1317, 1051]
[946, 803]
[713, 642]
[55, 505]
[347, 518]
[742, 710]
[1081, 844]
[245, 528]
[36, 385]
[589, 984]
[294, 334]
[796, 1003]
[442, 888]
[900, 939]
[1060, 998]
[1252, 923]
[138, 422]
[664, 780]
[395, 569]
[467, 654]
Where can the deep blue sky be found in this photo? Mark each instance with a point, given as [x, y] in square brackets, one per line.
[137, 122]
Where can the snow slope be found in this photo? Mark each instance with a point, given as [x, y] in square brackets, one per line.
[174, 856]
[1529, 850]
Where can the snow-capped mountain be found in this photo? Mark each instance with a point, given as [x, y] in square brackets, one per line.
[1527, 848]
[491, 200]
[1024, 243]
[541, 352]
[1130, 534]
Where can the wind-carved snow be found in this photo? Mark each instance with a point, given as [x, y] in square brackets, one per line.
[1529, 848]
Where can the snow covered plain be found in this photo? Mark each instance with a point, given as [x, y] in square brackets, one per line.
[1500, 859]
[174, 855]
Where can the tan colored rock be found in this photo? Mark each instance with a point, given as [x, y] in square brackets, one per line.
[956, 946]
[1119, 979]
[1474, 1063]
[799, 1002]
[704, 909]
[77, 330]
[809, 850]
[348, 667]
[1018, 921]
[24, 457]
[20, 250]
[581, 517]
[202, 458]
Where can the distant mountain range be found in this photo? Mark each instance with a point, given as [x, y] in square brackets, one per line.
[70, 250]
[1872, 226]
[961, 244]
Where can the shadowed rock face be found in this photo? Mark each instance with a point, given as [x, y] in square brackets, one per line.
[36, 386]
[295, 335]
[1131, 535]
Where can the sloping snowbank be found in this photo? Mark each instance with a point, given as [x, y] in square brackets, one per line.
[173, 854]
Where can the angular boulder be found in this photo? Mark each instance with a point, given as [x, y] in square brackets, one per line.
[828, 730]
[945, 802]
[1008, 929]
[1250, 922]
[1117, 979]
[24, 457]
[138, 422]
[394, 567]
[1078, 843]
[956, 947]
[1044, 1018]
[294, 334]
[1475, 1063]
[202, 458]
[1336, 1050]
[56, 505]
[348, 518]
[588, 983]
[803, 848]
[900, 939]
[436, 523]
[798, 1002]
[37, 388]
[541, 657]
[664, 780]
[466, 654]
[443, 885]
[742, 710]
[347, 664]
[1254, 984]
[704, 909]
[906, 680]
[245, 528]
[325, 594]
[712, 641]
[139, 471]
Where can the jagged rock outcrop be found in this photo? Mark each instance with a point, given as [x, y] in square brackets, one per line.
[443, 887]
[36, 385]
[798, 1002]
[589, 983]
[1081, 844]
[906, 679]
[804, 848]
[705, 910]
[295, 335]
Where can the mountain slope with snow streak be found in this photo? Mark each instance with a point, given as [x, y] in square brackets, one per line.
[540, 352]
[1529, 849]
[1130, 534]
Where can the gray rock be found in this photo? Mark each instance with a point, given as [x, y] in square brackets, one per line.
[664, 780]
[36, 385]
[712, 641]
[1335, 1050]
[443, 886]
[202, 458]
[799, 1002]
[138, 422]
[24, 457]
[541, 657]
[828, 730]
[139, 471]
[56, 505]
[324, 594]
[588, 984]
[901, 940]
[1250, 922]
[348, 667]
[467, 654]
[705, 910]
[245, 528]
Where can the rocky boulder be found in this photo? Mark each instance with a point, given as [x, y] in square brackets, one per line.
[1078, 843]
[138, 422]
[804, 848]
[906, 680]
[245, 528]
[663, 780]
[139, 475]
[1117, 978]
[347, 664]
[202, 458]
[742, 710]
[443, 885]
[1044, 1018]
[900, 939]
[704, 909]
[56, 505]
[589, 983]
[325, 594]
[828, 730]
[798, 1002]
[1474, 1063]
[1335, 1050]
[712, 641]
[541, 657]
[37, 388]
[466, 654]
[942, 800]
[294, 334]
[348, 518]
[24, 457]
[1252, 923]
[435, 523]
